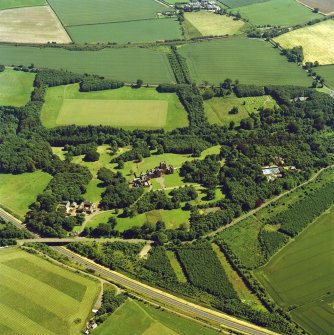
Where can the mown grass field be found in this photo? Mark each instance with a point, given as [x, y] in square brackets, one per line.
[80, 12]
[6, 4]
[125, 107]
[16, 87]
[325, 6]
[126, 64]
[301, 275]
[136, 318]
[277, 12]
[317, 42]
[18, 192]
[327, 72]
[39, 298]
[123, 32]
[31, 25]
[249, 60]
[217, 109]
[239, 3]
[210, 24]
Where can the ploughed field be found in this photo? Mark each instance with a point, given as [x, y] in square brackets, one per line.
[325, 6]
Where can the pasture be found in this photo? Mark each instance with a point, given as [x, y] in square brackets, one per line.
[217, 109]
[123, 32]
[16, 87]
[18, 192]
[31, 25]
[40, 298]
[325, 6]
[125, 107]
[81, 12]
[301, 275]
[317, 42]
[210, 24]
[277, 13]
[127, 64]
[239, 3]
[327, 72]
[249, 60]
[6, 4]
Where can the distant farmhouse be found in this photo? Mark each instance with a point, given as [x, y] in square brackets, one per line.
[201, 5]
[275, 171]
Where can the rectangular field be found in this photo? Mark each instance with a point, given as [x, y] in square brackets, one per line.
[31, 25]
[317, 42]
[327, 72]
[249, 60]
[123, 32]
[325, 6]
[39, 298]
[126, 64]
[6, 4]
[239, 3]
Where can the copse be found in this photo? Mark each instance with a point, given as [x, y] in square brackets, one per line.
[93, 83]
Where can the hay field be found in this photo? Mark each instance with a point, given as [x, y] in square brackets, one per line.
[31, 25]
[249, 60]
[317, 42]
[40, 298]
[16, 87]
[210, 24]
[325, 6]
[6, 4]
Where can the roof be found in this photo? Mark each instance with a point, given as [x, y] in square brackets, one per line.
[271, 170]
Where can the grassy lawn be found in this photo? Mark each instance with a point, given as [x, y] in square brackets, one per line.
[317, 42]
[301, 274]
[137, 318]
[277, 13]
[16, 87]
[125, 107]
[40, 298]
[122, 32]
[126, 64]
[217, 109]
[211, 24]
[18, 192]
[5, 4]
[249, 60]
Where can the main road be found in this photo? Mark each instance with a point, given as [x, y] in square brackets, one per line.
[168, 299]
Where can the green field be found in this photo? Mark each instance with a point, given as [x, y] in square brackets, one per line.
[126, 64]
[249, 60]
[217, 109]
[125, 107]
[18, 192]
[301, 275]
[16, 87]
[136, 318]
[122, 32]
[277, 13]
[239, 3]
[5, 4]
[327, 72]
[80, 12]
[39, 298]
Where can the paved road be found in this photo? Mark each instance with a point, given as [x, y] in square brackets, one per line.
[6, 216]
[180, 304]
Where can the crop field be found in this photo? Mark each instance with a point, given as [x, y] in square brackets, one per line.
[301, 274]
[31, 25]
[277, 12]
[5, 4]
[210, 24]
[325, 6]
[126, 64]
[249, 60]
[125, 107]
[16, 87]
[123, 32]
[39, 298]
[239, 3]
[217, 109]
[18, 192]
[327, 72]
[317, 42]
[80, 12]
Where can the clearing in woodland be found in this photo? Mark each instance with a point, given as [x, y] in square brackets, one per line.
[325, 6]
[31, 25]
[317, 42]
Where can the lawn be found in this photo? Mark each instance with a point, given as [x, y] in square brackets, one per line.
[211, 24]
[5, 4]
[16, 87]
[137, 318]
[126, 107]
[277, 13]
[123, 32]
[40, 298]
[250, 61]
[327, 72]
[80, 12]
[317, 42]
[18, 192]
[301, 275]
[217, 109]
[31, 25]
[325, 6]
[126, 64]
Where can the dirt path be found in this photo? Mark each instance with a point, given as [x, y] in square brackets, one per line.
[144, 252]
